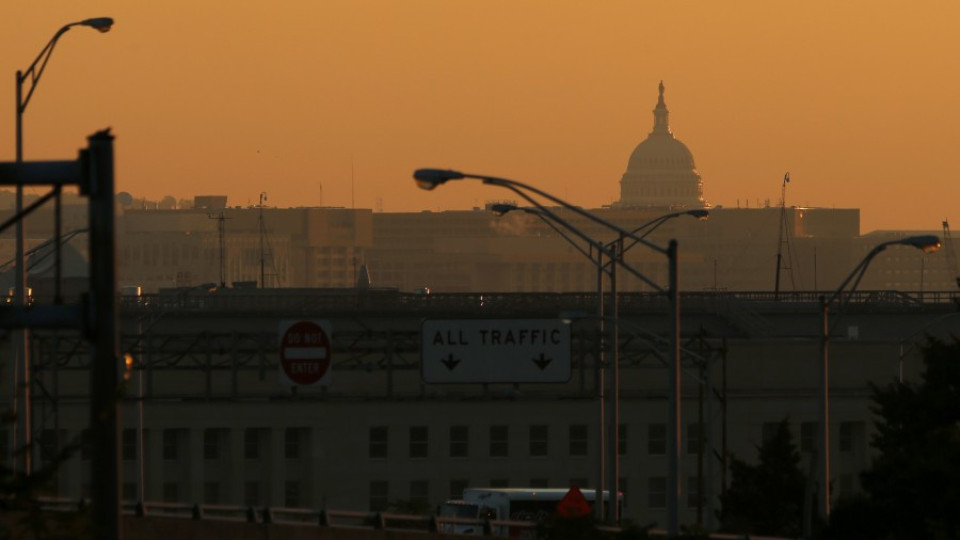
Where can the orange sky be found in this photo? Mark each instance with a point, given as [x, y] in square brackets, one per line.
[858, 100]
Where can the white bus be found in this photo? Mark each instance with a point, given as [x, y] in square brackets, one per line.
[482, 508]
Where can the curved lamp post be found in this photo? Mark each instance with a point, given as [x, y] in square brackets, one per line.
[21, 341]
[429, 179]
[926, 243]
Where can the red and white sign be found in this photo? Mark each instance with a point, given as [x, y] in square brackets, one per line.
[305, 352]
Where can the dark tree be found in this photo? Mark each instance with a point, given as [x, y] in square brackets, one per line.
[766, 498]
[912, 490]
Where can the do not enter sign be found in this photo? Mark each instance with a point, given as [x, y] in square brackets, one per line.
[304, 352]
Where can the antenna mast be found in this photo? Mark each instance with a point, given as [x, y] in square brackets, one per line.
[783, 226]
[221, 233]
[263, 230]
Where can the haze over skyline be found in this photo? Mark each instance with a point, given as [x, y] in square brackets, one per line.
[337, 102]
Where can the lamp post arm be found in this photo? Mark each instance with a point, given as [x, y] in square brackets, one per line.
[649, 227]
[547, 214]
[857, 274]
[515, 185]
[546, 219]
[35, 71]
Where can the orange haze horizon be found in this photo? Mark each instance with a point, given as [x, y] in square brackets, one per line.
[336, 103]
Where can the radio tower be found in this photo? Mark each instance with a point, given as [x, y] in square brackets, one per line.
[781, 240]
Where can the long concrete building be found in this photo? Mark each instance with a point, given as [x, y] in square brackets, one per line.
[219, 426]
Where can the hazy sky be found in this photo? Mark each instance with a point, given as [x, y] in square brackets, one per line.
[336, 102]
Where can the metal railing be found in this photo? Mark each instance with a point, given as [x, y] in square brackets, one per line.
[349, 300]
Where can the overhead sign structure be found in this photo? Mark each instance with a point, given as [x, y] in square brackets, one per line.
[305, 352]
[495, 351]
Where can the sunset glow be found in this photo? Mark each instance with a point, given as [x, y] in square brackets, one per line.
[337, 102]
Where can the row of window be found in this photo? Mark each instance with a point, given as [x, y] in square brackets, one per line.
[458, 441]
[498, 440]
[214, 493]
[173, 443]
[538, 440]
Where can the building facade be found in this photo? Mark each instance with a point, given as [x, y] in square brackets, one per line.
[220, 428]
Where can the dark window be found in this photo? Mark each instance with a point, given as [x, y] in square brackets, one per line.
[293, 442]
[498, 441]
[420, 494]
[418, 441]
[130, 491]
[622, 439]
[538, 441]
[378, 442]
[657, 439]
[693, 491]
[657, 492]
[459, 441]
[129, 446]
[251, 493]
[171, 446]
[171, 492]
[291, 494]
[251, 443]
[211, 493]
[578, 440]
[48, 445]
[693, 438]
[379, 495]
[211, 444]
[457, 487]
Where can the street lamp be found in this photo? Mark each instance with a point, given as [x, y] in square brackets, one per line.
[616, 250]
[926, 243]
[431, 178]
[21, 340]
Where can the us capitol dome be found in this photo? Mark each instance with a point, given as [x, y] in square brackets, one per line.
[661, 171]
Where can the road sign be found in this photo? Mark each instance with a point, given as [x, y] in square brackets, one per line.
[305, 352]
[495, 351]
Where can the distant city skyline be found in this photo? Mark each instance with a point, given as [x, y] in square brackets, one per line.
[337, 103]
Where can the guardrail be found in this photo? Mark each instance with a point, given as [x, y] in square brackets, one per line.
[333, 518]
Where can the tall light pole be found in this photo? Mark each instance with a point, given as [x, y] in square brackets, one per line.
[21, 338]
[926, 243]
[431, 178]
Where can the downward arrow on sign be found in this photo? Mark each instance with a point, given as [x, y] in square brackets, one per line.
[542, 362]
[451, 362]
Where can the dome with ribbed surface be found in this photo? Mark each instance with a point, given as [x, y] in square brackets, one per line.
[661, 171]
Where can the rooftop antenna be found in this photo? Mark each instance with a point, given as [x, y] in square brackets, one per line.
[353, 206]
[780, 240]
[263, 231]
[221, 232]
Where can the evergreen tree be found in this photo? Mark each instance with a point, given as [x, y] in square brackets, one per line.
[912, 490]
[766, 498]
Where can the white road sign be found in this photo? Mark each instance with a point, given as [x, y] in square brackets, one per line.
[495, 351]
